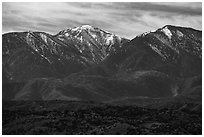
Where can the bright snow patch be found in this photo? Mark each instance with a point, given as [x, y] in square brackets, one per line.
[44, 37]
[86, 27]
[67, 34]
[93, 35]
[109, 40]
[81, 39]
[180, 34]
[75, 29]
[79, 29]
[167, 32]
[153, 30]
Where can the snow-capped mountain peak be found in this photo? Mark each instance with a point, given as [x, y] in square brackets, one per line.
[89, 35]
[81, 28]
[86, 27]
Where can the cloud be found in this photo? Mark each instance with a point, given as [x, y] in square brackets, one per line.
[123, 19]
[174, 8]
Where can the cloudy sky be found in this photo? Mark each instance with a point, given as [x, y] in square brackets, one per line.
[123, 19]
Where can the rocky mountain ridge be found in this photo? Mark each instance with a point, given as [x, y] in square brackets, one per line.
[87, 63]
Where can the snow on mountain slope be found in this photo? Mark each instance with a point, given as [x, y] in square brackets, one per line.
[167, 32]
[177, 39]
[91, 40]
[66, 52]
[28, 55]
[170, 49]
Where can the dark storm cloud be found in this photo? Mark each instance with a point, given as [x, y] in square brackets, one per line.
[124, 19]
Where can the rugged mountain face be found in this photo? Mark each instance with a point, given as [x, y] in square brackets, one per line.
[92, 42]
[176, 51]
[29, 55]
[155, 64]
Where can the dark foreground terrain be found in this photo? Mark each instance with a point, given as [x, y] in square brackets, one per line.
[70, 117]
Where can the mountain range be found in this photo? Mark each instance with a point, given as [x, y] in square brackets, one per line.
[89, 64]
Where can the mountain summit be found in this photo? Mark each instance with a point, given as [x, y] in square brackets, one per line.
[38, 54]
[92, 41]
[170, 49]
